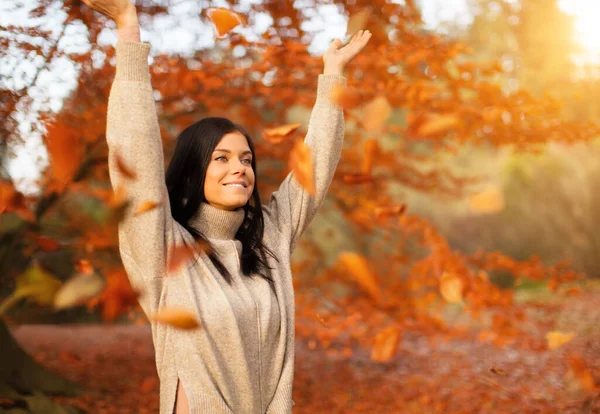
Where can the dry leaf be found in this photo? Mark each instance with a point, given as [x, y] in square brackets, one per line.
[123, 168]
[487, 201]
[277, 134]
[579, 377]
[184, 254]
[498, 371]
[556, 339]
[396, 210]
[345, 97]
[84, 267]
[117, 297]
[146, 206]
[224, 20]
[321, 320]
[358, 267]
[177, 317]
[358, 21]
[438, 124]
[376, 113]
[370, 149]
[78, 290]
[451, 288]
[301, 164]
[357, 178]
[65, 151]
[386, 344]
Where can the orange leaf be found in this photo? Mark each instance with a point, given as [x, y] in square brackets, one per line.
[146, 206]
[376, 113]
[579, 377]
[276, 135]
[224, 20]
[556, 339]
[321, 320]
[370, 148]
[451, 288]
[184, 254]
[64, 150]
[177, 317]
[438, 124]
[124, 168]
[386, 344]
[498, 371]
[85, 267]
[487, 201]
[357, 178]
[346, 97]
[390, 211]
[358, 267]
[45, 243]
[301, 164]
[358, 21]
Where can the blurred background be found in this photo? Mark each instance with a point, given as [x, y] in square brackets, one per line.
[455, 260]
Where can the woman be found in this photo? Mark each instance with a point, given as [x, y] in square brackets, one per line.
[241, 360]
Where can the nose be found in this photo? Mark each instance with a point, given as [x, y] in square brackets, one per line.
[239, 167]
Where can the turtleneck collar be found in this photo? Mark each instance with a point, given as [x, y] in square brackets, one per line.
[215, 223]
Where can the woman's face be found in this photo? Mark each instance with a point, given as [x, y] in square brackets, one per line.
[229, 178]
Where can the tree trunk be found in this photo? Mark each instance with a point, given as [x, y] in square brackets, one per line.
[24, 384]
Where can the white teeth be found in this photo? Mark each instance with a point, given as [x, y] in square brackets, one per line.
[234, 185]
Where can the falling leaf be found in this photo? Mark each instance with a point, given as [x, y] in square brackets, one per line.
[579, 377]
[118, 295]
[123, 168]
[85, 267]
[451, 288]
[370, 148]
[357, 178]
[438, 124]
[78, 290]
[358, 267]
[396, 210]
[321, 320]
[386, 344]
[38, 285]
[487, 201]
[224, 20]
[376, 113]
[145, 207]
[177, 317]
[184, 254]
[358, 21]
[45, 243]
[556, 339]
[301, 165]
[65, 151]
[277, 134]
[345, 97]
[498, 371]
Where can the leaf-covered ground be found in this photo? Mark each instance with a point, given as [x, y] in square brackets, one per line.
[116, 364]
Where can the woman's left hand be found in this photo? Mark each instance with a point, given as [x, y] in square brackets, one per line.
[335, 58]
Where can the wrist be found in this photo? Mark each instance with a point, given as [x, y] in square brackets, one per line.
[333, 70]
[127, 17]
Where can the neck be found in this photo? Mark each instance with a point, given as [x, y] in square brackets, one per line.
[216, 223]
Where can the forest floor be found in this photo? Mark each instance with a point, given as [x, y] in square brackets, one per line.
[115, 363]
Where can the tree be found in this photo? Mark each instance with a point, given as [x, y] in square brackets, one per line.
[424, 96]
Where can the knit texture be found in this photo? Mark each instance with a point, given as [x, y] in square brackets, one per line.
[241, 359]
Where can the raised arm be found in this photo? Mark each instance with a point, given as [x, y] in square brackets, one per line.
[133, 136]
[291, 208]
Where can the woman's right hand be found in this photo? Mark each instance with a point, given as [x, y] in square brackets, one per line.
[123, 12]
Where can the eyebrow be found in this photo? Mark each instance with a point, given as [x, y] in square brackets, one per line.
[229, 152]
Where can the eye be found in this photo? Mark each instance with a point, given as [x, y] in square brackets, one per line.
[247, 161]
[221, 157]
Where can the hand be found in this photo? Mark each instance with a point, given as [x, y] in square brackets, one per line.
[335, 59]
[123, 12]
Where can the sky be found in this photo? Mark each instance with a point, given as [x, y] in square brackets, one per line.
[181, 33]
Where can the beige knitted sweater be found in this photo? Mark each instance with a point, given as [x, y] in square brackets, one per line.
[241, 360]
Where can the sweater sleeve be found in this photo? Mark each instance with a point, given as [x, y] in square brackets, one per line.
[291, 208]
[133, 135]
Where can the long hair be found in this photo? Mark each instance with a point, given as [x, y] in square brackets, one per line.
[185, 183]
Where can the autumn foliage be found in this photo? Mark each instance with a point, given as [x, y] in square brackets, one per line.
[409, 87]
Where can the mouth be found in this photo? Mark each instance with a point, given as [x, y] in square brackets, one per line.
[235, 185]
